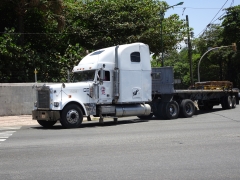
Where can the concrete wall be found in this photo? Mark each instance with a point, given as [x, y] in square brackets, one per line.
[17, 98]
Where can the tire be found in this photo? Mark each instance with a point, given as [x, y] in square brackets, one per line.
[46, 124]
[187, 108]
[234, 102]
[226, 102]
[146, 117]
[171, 110]
[71, 116]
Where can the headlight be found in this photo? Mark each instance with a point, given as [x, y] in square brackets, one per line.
[56, 104]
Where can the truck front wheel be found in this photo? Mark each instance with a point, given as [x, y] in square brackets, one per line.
[46, 124]
[71, 116]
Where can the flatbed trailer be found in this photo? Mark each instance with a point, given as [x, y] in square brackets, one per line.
[168, 103]
[207, 98]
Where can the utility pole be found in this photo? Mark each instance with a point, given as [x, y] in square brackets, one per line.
[189, 52]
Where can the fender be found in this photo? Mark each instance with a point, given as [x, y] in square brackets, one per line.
[81, 105]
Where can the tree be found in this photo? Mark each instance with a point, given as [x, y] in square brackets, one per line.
[231, 34]
[223, 63]
[30, 39]
[24, 9]
[52, 36]
[98, 24]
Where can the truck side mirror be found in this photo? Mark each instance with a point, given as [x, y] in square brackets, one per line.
[102, 75]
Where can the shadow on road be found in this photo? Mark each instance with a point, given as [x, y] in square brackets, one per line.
[199, 112]
[121, 121]
[90, 124]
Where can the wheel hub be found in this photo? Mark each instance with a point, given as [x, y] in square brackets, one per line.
[189, 109]
[72, 116]
[172, 110]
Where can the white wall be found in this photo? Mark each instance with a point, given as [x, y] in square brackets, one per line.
[17, 98]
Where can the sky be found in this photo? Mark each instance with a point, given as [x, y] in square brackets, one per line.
[200, 12]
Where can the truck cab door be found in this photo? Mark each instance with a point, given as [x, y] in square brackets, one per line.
[105, 88]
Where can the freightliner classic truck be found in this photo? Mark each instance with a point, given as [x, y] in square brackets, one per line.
[119, 81]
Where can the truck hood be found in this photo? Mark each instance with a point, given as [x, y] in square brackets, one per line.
[77, 85]
[77, 92]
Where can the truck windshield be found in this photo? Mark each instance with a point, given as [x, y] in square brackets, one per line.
[83, 76]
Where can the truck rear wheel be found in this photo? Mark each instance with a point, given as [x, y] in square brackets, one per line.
[226, 102]
[46, 124]
[234, 103]
[187, 108]
[170, 110]
[71, 116]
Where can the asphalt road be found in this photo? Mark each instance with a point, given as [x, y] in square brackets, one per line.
[206, 146]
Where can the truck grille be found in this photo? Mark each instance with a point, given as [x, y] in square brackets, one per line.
[43, 98]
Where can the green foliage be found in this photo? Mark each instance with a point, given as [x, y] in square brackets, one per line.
[231, 34]
[52, 36]
[14, 58]
[221, 64]
[101, 23]
[217, 65]
[179, 62]
[231, 25]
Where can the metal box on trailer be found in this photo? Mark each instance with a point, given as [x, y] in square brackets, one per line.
[162, 80]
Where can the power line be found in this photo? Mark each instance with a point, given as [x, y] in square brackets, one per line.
[195, 8]
[212, 19]
[232, 3]
[219, 17]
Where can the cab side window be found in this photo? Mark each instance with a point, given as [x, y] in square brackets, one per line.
[107, 76]
[135, 57]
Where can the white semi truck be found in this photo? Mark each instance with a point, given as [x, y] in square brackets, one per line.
[119, 81]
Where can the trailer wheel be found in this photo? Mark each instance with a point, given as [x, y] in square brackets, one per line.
[171, 110]
[71, 116]
[234, 102]
[226, 102]
[187, 108]
[46, 124]
[146, 117]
